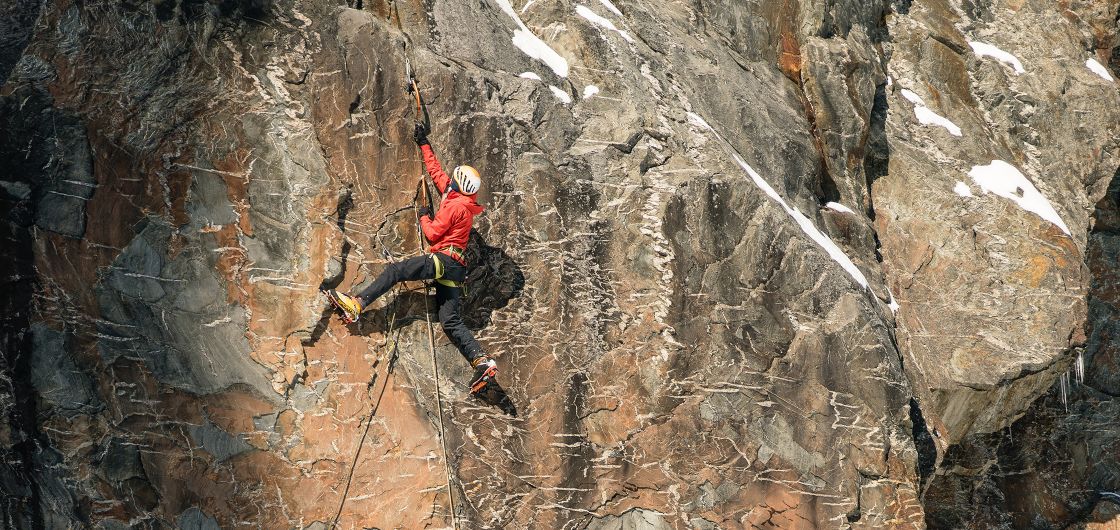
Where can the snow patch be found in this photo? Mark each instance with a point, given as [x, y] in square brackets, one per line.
[590, 15]
[912, 97]
[590, 90]
[1005, 180]
[928, 117]
[803, 222]
[894, 303]
[982, 48]
[838, 207]
[696, 120]
[529, 75]
[806, 225]
[533, 46]
[962, 189]
[560, 94]
[1098, 69]
[609, 5]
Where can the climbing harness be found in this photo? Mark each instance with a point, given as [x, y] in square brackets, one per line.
[439, 273]
[456, 253]
[435, 366]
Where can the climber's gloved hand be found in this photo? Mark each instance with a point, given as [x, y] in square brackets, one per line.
[424, 211]
[420, 134]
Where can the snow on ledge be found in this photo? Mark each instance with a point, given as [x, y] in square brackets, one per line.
[560, 94]
[609, 5]
[529, 75]
[1098, 69]
[838, 207]
[591, 16]
[1005, 180]
[982, 48]
[962, 189]
[929, 117]
[696, 120]
[590, 90]
[532, 45]
[803, 222]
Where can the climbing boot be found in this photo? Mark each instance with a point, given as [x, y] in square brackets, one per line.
[484, 371]
[350, 306]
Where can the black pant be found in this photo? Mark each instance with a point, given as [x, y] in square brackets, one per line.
[447, 298]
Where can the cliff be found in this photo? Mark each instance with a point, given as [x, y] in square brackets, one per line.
[790, 264]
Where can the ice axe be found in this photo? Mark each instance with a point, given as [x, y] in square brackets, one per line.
[422, 117]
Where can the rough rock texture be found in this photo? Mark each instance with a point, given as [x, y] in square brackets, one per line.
[740, 265]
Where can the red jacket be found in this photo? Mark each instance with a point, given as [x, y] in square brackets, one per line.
[452, 225]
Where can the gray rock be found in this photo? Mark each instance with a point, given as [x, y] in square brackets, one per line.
[55, 375]
[61, 213]
[219, 443]
[699, 523]
[50, 153]
[194, 518]
[111, 524]
[16, 190]
[173, 315]
[57, 501]
[33, 68]
[70, 182]
[136, 272]
[633, 519]
[17, 22]
[121, 461]
[209, 201]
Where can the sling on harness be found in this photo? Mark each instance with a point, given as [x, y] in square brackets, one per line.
[440, 271]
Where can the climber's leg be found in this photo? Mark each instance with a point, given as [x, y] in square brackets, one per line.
[448, 302]
[418, 268]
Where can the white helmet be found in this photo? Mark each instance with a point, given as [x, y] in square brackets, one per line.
[465, 180]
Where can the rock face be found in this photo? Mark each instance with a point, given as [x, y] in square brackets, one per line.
[775, 264]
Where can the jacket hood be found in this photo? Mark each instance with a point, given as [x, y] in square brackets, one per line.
[467, 201]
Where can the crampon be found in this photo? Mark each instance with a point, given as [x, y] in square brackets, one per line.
[484, 374]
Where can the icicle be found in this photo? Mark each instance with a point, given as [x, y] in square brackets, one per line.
[1079, 366]
[1063, 382]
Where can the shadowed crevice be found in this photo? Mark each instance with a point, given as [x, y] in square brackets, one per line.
[877, 159]
[923, 442]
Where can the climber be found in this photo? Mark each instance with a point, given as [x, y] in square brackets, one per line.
[447, 234]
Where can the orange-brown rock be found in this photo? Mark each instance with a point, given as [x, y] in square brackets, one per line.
[736, 266]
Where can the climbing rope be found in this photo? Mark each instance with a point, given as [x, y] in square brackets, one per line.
[373, 412]
[435, 366]
[422, 118]
[358, 452]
